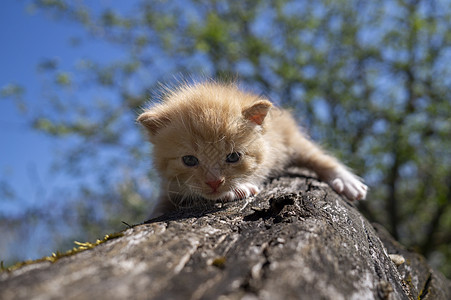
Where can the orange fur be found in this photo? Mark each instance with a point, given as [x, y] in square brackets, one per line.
[211, 120]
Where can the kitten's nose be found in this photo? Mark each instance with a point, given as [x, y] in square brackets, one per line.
[215, 184]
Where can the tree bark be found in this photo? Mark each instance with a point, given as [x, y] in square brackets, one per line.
[297, 239]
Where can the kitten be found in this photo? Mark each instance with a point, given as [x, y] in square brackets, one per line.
[214, 142]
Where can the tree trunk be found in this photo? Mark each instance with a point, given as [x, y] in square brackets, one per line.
[296, 240]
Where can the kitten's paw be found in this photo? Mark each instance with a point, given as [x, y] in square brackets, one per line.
[348, 184]
[242, 191]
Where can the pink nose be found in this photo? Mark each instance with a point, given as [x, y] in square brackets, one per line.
[215, 184]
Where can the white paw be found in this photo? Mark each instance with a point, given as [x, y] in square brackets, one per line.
[242, 191]
[348, 184]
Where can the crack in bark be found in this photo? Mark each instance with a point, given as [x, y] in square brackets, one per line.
[276, 206]
[426, 286]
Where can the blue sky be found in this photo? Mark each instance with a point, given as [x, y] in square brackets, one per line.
[26, 156]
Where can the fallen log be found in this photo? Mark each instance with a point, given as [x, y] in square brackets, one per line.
[297, 239]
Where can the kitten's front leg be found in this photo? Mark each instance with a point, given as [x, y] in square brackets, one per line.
[345, 182]
[328, 169]
[242, 191]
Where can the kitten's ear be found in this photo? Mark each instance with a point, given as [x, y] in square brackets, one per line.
[257, 112]
[152, 121]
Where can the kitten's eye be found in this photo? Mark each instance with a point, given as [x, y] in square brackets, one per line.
[233, 157]
[190, 161]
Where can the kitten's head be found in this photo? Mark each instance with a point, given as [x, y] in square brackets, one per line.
[207, 139]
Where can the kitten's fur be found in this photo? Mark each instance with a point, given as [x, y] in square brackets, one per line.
[210, 121]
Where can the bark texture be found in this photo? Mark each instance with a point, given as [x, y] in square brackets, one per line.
[296, 240]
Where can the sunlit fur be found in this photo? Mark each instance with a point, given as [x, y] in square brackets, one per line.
[211, 120]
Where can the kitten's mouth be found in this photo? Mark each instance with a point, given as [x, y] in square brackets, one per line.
[214, 194]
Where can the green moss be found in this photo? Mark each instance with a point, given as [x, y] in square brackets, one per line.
[219, 262]
[408, 280]
[56, 256]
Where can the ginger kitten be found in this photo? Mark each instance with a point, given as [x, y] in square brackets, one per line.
[214, 142]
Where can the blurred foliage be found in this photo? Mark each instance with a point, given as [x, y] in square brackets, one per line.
[369, 79]
[15, 92]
